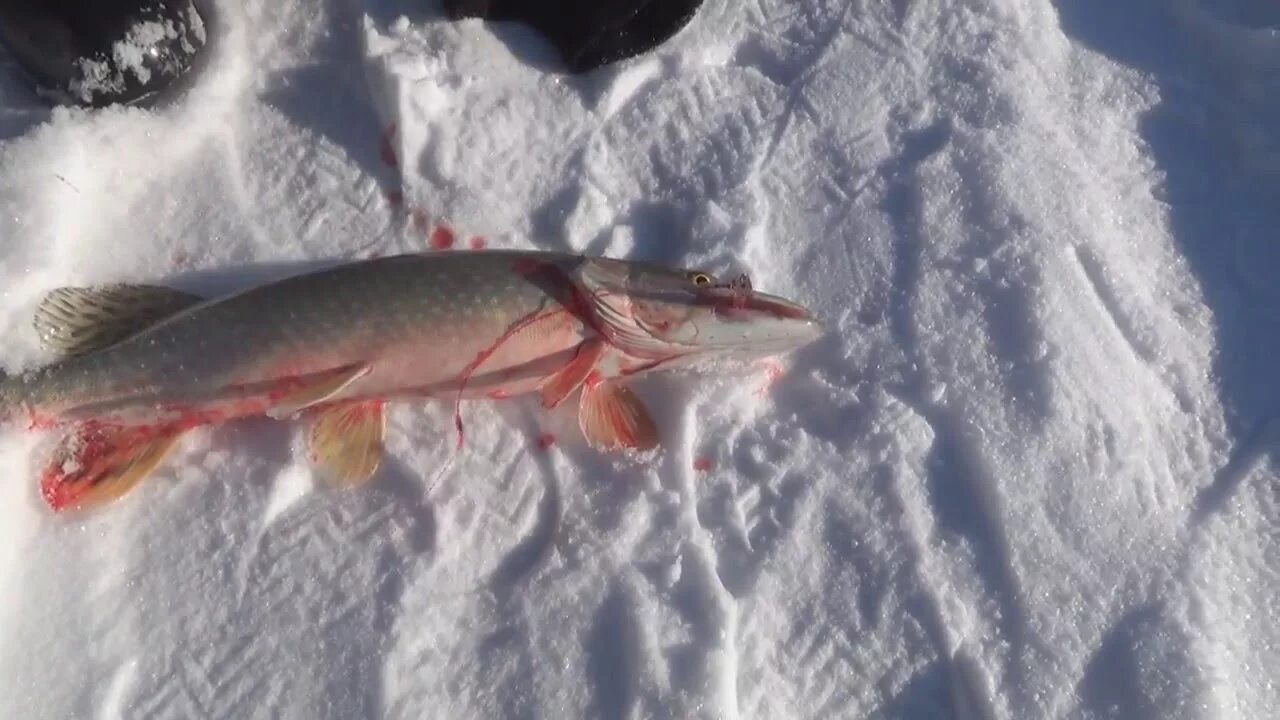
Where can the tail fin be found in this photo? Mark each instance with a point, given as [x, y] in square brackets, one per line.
[93, 465]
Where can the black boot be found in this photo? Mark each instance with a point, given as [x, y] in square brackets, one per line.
[588, 33]
[99, 52]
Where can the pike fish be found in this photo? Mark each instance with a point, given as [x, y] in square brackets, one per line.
[143, 364]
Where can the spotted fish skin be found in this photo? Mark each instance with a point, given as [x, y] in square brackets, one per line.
[419, 319]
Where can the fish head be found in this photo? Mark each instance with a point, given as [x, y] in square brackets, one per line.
[656, 312]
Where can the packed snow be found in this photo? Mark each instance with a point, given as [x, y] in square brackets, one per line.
[1031, 471]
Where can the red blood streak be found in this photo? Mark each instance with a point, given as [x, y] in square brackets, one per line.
[395, 198]
[573, 303]
[476, 242]
[465, 376]
[441, 238]
[93, 452]
[385, 150]
[499, 394]
[545, 441]
[703, 464]
[53, 491]
[421, 220]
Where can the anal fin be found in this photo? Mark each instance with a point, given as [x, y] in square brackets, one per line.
[612, 417]
[79, 320]
[345, 442]
[93, 466]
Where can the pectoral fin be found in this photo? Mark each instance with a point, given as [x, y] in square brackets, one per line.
[93, 466]
[564, 382]
[613, 418]
[316, 389]
[79, 320]
[345, 442]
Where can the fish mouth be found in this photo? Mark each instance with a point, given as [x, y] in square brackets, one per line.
[782, 309]
[760, 324]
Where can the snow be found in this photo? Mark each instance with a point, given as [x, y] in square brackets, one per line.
[1030, 472]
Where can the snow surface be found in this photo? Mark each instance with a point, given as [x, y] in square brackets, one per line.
[1033, 471]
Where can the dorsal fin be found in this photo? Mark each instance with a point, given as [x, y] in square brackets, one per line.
[79, 320]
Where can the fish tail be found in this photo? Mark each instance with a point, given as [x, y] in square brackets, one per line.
[94, 465]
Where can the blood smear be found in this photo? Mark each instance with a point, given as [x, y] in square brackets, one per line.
[441, 238]
[476, 242]
[385, 151]
[545, 441]
[703, 464]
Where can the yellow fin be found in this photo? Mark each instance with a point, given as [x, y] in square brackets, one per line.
[94, 466]
[79, 320]
[317, 389]
[612, 417]
[345, 442]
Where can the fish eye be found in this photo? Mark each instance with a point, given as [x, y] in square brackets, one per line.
[700, 279]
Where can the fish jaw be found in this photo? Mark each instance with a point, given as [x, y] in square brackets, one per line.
[757, 326]
[653, 313]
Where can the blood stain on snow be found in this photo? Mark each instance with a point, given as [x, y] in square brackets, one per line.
[703, 464]
[476, 242]
[395, 198]
[441, 238]
[385, 151]
[545, 441]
